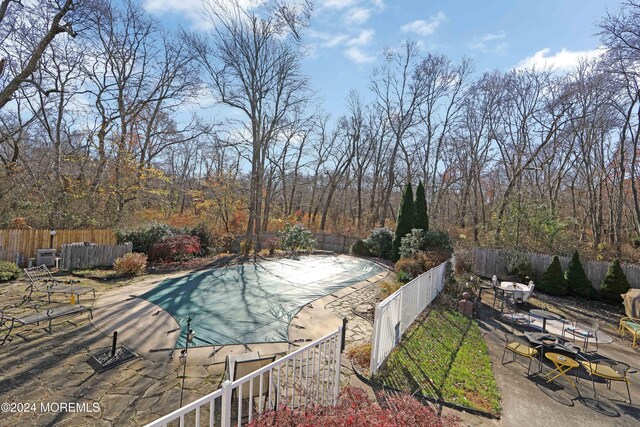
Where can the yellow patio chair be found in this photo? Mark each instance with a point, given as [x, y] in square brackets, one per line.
[518, 349]
[632, 325]
[607, 369]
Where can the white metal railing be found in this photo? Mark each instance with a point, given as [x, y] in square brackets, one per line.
[306, 377]
[396, 313]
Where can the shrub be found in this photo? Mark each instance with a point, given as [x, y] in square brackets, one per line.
[145, 237]
[421, 219]
[360, 248]
[8, 271]
[421, 240]
[406, 215]
[224, 243]
[433, 258]
[408, 268]
[380, 242]
[207, 238]
[246, 246]
[577, 282]
[360, 354]
[614, 283]
[271, 246]
[296, 237]
[354, 409]
[175, 248]
[463, 261]
[388, 287]
[552, 281]
[518, 264]
[132, 264]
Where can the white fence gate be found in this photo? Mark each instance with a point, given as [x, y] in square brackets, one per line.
[304, 378]
[396, 313]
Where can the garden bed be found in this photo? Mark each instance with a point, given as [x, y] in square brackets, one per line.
[444, 357]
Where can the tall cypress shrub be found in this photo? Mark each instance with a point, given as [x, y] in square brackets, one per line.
[421, 220]
[404, 225]
[552, 281]
[577, 281]
[615, 283]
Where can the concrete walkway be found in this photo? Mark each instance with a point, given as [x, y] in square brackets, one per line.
[534, 402]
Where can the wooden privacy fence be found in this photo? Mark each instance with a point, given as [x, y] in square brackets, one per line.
[487, 262]
[79, 255]
[18, 245]
[326, 242]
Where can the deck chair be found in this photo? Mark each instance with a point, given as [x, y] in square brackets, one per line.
[12, 322]
[253, 389]
[42, 281]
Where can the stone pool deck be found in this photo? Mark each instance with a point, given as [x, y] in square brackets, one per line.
[51, 368]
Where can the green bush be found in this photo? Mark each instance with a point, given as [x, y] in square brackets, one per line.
[552, 281]
[518, 264]
[8, 271]
[380, 242]
[296, 237]
[615, 283]
[408, 268]
[421, 219]
[421, 240]
[146, 236]
[404, 225]
[577, 282]
[207, 238]
[360, 248]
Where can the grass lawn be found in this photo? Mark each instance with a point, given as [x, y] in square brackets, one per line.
[444, 356]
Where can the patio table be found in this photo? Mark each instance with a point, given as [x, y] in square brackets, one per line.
[543, 339]
[544, 314]
[563, 365]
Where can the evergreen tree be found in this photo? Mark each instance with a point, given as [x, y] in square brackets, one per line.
[552, 281]
[404, 225]
[615, 283]
[577, 281]
[421, 220]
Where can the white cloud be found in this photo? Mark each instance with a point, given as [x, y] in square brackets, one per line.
[357, 15]
[563, 60]
[191, 9]
[491, 36]
[357, 55]
[339, 4]
[422, 27]
[363, 38]
[490, 43]
[335, 40]
[379, 4]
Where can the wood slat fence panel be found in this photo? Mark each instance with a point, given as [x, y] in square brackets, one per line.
[79, 256]
[326, 242]
[487, 262]
[18, 245]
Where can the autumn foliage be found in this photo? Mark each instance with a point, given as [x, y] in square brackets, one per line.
[175, 248]
[354, 409]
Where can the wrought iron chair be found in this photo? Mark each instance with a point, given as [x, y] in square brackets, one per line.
[584, 329]
[518, 349]
[607, 369]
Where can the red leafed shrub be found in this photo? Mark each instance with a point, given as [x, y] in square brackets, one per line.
[355, 410]
[175, 248]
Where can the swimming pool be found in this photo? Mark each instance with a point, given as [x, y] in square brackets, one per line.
[254, 302]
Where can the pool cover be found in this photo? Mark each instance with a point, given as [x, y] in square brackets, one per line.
[254, 302]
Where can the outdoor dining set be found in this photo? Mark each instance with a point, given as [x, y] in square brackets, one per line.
[570, 346]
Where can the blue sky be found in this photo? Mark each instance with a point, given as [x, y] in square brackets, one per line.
[346, 36]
